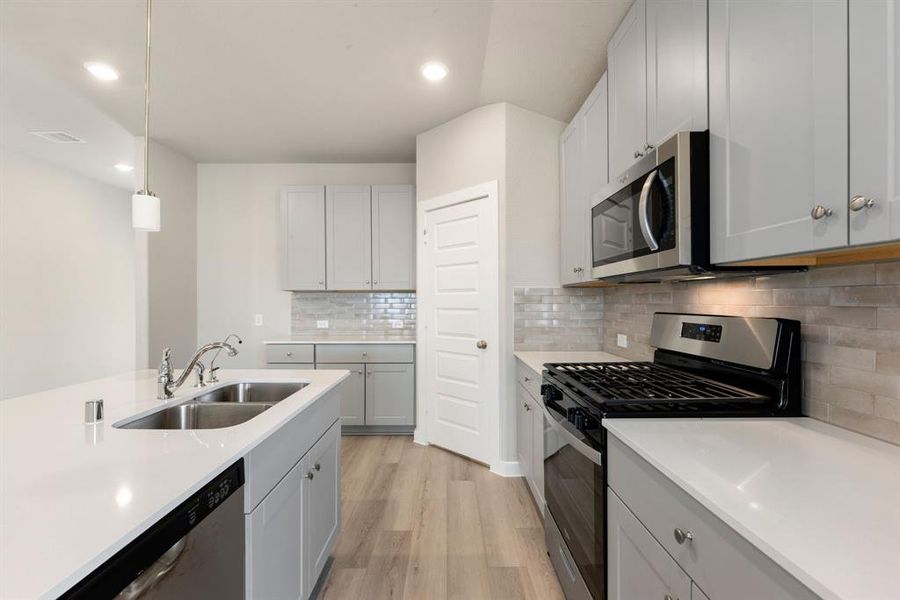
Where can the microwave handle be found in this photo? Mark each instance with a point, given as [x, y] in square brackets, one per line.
[642, 212]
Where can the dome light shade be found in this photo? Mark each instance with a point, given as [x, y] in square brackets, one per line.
[145, 211]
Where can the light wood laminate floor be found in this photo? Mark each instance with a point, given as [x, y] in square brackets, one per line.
[422, 523]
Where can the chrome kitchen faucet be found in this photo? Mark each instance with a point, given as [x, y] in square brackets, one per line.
[166, 384]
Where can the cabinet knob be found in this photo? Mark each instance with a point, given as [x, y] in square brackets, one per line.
[359, 372]
[290, 354]
[321, 283]
[481, 344]
[369, 373]
[668, 597]
[649, 147]
[820, 211]
[317, 467]
[310, 475]
[527, 379]
[683, 535]
[857, 203]
[638, 154]
[527, 408]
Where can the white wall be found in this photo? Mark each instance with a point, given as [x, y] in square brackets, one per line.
[67, 277]
[519, 149]
[171, 255]
[237, 245]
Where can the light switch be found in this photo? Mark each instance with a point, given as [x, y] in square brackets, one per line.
[258, 320]
[322, 324]
[622, 340]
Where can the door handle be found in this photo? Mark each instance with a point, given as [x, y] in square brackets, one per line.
[481, 345]
[642, 213]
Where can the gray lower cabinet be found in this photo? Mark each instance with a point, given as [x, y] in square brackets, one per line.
[390, 392]
[353, 393]
[322, 504]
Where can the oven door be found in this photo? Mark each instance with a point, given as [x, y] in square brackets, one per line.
[634, 226]
[574, 486]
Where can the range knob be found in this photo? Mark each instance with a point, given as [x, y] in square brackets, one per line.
[550, 393]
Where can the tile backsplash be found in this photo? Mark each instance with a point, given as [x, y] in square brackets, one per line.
[558, 318]
[851, 332]
[354, 312]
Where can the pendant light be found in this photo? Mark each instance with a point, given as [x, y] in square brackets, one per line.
[145, 204]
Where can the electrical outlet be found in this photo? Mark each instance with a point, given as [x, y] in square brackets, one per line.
[322, 324]
[397, 324]
[622, 340]
[258, 320]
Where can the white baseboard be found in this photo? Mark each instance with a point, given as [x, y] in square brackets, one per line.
[419, 438]
[507, 468]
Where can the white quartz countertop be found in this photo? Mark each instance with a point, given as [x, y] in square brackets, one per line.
[72, 495]
[535, 359]
[822, 502]
[342, 338]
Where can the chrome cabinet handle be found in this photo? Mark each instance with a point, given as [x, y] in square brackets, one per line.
[857, 203]
[643, 217]
[820, 211]
[638, 154]
[649, 147]
[481, 344]
[683, 535]
[317, 467]
[310, 475]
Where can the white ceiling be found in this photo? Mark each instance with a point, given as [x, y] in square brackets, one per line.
[314, 81]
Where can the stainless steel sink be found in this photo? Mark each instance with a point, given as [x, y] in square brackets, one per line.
[196, 415]
[249, 393]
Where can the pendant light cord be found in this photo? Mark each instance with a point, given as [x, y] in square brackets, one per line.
[147, 108]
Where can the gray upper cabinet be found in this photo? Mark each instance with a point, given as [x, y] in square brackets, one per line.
[348, 219]
[627, 55]
[303, 237]
[874, 198]
[583, 172]
[393, 237]
[778, 127]
[390, 394]
[676, 68]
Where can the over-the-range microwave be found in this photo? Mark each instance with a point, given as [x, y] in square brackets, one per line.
[651, 223]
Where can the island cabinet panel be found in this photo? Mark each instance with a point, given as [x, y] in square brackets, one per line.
[274, 541]
[303, 237]
[321, 504]
[778, 116]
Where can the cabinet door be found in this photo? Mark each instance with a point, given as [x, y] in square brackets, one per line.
[595, 163]
[627, 71]
[353, 393]
[572, 205]
[638, 566]
[778, 126]
[524, 435]
[390, 394]
[537, 452]
[349, 240]
[875, 120]
[303, 237]
[697, 593]
[676, 68]
[321, 503]
[393, 237]
[274, 547]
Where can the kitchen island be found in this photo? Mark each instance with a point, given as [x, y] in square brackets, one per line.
[74, 494]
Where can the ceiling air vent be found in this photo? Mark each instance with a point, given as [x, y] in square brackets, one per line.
[58, 137]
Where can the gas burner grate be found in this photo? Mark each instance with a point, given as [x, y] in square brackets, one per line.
[645, 386]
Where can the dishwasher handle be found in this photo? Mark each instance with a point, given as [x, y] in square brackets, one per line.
[155, 572]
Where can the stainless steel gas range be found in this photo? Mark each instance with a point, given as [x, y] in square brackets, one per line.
[703, 366]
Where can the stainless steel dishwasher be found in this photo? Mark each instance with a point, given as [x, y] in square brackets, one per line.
[195, 551]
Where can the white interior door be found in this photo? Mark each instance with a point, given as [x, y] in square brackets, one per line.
[459, 293]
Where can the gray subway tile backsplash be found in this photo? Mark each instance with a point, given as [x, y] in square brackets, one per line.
[558, 318]
[354, 312]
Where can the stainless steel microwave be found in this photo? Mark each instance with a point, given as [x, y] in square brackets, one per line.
[652, 222]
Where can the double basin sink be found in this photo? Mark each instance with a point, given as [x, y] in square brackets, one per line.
[226, 406]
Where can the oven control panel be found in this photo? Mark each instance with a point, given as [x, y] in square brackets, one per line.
[704, 332]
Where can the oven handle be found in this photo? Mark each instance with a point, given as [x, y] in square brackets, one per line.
[643, 217]
[582, 448]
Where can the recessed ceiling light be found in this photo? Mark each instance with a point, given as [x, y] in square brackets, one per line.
[124, 168]
[434, 71]
[101, 71]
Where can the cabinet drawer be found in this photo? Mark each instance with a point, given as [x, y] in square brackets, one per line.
[722, 563]
[530, 380]
[289, 353]
[365, 353]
